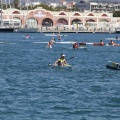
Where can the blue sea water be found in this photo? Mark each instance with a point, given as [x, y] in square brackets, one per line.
[31, 90]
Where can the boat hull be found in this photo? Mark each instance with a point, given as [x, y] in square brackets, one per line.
[6, 30]
[54, 35]
[97, 44]
[67, 66]
[24, 30]
[113, 65]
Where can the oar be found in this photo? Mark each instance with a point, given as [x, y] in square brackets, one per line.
[70, 57]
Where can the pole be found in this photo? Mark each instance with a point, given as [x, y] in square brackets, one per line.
[1, 13]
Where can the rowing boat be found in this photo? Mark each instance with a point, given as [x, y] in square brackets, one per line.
[54, 35]
[67, 42]
[98, 44]
[113, 65]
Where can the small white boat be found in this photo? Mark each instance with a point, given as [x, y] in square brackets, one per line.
[67, 42]
[113, 65]
[55, 35]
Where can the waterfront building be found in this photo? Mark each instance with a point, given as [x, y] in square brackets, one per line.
[98, 6]
[60, 20]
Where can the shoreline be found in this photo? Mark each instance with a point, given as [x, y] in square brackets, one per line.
[65, 31]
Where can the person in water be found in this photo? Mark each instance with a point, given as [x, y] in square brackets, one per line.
[75, 45]
[59, 38]
[27, 36]
[111, 42]
[51, 42]
[101, 42]
[61, 61]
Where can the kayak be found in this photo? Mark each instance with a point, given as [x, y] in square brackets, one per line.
[113, 65]
[97, 44]
[64, 67]
[82, 47]
[113, 45]
[54, 35]
[82, 43]
[112, 38]
[67, 42]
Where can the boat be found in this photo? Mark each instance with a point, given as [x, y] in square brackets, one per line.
[118, 30]
[66, 66]
[113, 45]
[82, 43]
[67, 42]
[26, 30]
[54, 35]
[82, 47]
[113, 65]
[117, 38]
[6, 30]
[98, 44]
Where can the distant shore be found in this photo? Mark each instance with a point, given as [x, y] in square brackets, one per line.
[64, 30]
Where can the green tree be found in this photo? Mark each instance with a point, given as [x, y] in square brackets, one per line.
[116, 13]
[16, 3]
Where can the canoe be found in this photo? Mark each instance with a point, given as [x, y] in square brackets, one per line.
[82, 46]
[113, 65]
[82, 43]
[112, 38]
[113, 45]
[67, 42]
[67, 66]
[97, 44]
[54, 35]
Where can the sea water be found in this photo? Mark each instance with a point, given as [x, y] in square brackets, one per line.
[31, 90]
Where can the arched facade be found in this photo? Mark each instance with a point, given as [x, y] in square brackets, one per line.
[47, 22]
[41, 18]
[62, 21]
[31, 23]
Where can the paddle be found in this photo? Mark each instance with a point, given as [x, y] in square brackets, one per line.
[49, 64]
[70, 57]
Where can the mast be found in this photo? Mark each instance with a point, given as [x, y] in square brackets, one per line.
[1, 13]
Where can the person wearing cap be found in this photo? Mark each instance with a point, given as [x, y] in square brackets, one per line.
[61, 61]
[51, 42]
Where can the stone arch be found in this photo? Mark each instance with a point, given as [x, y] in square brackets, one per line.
[62, 21]
[47, 22]
[31, 23]
[104, 20]
[15, 12]
[90, 14]
[62, 13]
[17, 21]
[76, 14]
[104, 15]
[90, 20]
[75, 21]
